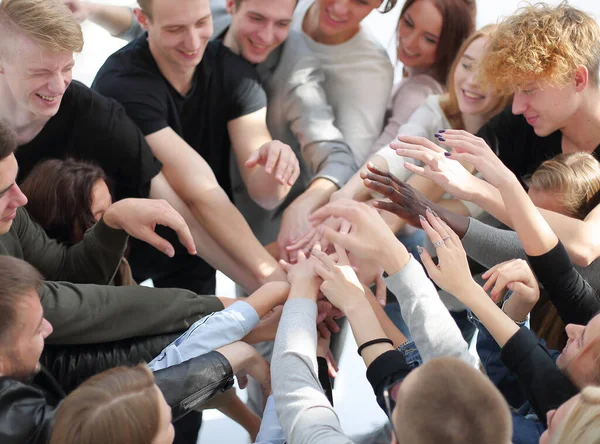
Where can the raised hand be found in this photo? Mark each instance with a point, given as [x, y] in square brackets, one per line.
[315, 236]
[370, 238]
[452, 272]
[405, 202]
[446, 172]
[278, 159]
[78, 8]
[139, 218]
[475, 151]
[340, 283]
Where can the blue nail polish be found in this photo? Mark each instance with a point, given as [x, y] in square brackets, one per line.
[447, 153]
[442, 131]
[441, 139]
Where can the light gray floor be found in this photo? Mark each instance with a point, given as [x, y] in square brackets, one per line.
[355, 403]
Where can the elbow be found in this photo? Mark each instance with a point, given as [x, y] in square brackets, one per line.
[583, 254]
[266, 201]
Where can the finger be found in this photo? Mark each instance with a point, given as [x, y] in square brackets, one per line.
[421, 141]
[380, 290]
[172, 219]
[322, 272]
[242, 381]
[425, 157]
[490, 282]
[326, 260]
[313, 243]
[340, 208]
[433, 235]
[285, 265]
[345, 226]
[332, 325]
[295, 174]
[432, 270]
[436, 224]
[301, 256]
[303, 240]
[520, 287]
[253, 160]
[380, 187]
[499, 289]
[284, 254]
[150, 237]
[272, 158]
[342, 256]
[427, 173]
[323, 330]
[466, 158]
[283, 163]
[292, 166]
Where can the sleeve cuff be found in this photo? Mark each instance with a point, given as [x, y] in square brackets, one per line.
[300, 306]
[401, 280]
[248, 314]
[389, 366]
[108, 238]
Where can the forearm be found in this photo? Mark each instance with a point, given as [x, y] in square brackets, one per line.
[330, 160]
[268, 296]
[389, 328]
[115, 19]
[264, 189]
[316, 195]
[354, 188]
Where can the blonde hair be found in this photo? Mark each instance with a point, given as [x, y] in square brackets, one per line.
[449, 101]
[575, 176]
[451, 402]
[118, 405]
[582, 424]
[542, 42]
[49, 23]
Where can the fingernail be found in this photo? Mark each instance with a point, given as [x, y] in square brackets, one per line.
[169, 252]
[419, 250]
[433, 212]
[441, 139]
[442, 131]
[422, 217]
[447, 153]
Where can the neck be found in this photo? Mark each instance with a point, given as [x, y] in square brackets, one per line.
[310, 25]
[230, 42]
[25, 124]
[582, 131]
[473, 122]
[179, 77]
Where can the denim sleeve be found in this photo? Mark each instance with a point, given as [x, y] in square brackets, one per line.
[209, 333]
[270, 430]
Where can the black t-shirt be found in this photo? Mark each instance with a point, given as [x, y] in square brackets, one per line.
[90, 127]
[517, 145]
[225, 87]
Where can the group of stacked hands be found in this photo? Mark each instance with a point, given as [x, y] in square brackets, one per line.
[65, 280]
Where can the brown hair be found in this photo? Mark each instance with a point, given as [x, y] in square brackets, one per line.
[451, 402]
[8, 141]
[575, 176]
[60, 197]
[49, 23]
[449, 101]
[17, 279]
[120, 405]
[458, 22]
[542, 42]
[582, 423]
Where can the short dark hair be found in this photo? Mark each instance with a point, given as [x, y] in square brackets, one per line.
[17, 279]
[8, 141]
[458, 22]
[59, 194]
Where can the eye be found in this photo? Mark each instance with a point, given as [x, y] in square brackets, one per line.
[430, 40]
[256, 19]
[407, 22]
[467, 66]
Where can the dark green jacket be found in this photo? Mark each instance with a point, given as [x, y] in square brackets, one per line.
[84, 310]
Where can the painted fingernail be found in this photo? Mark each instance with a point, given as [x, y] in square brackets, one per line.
[422, 217]
[419, 250]
[441, 139]
[442, 131]
[437, 135]
[447, 153]
[434, 213]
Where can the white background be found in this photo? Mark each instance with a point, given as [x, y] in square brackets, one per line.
[353, 396]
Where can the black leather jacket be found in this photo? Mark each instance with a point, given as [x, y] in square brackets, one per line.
[27, 409]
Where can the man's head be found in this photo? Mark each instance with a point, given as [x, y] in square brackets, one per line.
[23, 327]
[178, 31]
[549, 56]
[11, 196]
[37, 42]
[448, 401]
[258, 26]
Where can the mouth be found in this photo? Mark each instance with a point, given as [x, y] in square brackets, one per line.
[48, 99]
[470, 95]
[408, 53]
[10, 217]
[531, 120]
[257, 47]
[333, 18]
[189, 54]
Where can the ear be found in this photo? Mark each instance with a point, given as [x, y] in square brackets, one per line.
[4, 365]
[230, 5]
[141, 18]
[582, 77]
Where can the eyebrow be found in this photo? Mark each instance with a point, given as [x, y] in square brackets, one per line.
[178, 25]
[430, 34]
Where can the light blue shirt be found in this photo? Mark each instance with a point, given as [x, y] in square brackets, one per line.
[270, 430]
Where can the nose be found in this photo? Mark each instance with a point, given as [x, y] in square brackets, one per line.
[340, 7]
[192, 40]
[58, 84]
[573, 331]
[47, 328]
[266, 34]
[18, 199]
[519, 105]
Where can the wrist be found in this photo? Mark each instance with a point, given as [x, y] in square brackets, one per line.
[306, 288]
[395, 258]
[110, 218]
[355, 305]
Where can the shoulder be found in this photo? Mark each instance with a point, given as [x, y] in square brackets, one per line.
[82, 103]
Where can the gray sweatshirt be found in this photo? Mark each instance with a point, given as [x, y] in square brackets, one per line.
[489, 246]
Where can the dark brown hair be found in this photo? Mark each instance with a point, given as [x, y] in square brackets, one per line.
[120, 405]
[17, 279]
[60, 197]
[8, 141]
[458, 22]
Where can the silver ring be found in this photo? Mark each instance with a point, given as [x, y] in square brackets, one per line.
[438, 243]
[446, 237]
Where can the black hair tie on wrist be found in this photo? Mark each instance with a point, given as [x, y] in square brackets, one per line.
[374, 341]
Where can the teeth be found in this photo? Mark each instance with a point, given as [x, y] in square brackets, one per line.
[48, 98]
[472, 96]
[189, 53]
[258, 46]
[333, 18]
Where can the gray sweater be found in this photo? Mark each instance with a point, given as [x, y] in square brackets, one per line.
[489, 246]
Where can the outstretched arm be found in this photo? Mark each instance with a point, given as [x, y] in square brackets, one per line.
[115, 19]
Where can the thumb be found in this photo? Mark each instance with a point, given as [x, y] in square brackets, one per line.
[334, 237]
[285, 265]
[432, 269]
[253, 160]
[519, 287]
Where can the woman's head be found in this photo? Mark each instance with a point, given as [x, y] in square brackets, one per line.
[576, 421]
[66, 197]
[580, 359]
[430, 33]
[339, 20]
[465, 95]
[568, 184]
[119, 405]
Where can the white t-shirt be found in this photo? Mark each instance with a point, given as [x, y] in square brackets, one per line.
[358, 83]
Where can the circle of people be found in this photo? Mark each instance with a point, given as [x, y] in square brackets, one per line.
[263, 138]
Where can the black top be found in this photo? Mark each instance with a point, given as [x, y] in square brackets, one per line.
[517, 145]
[225, 87]
[386, 369]
[544, 384]
[575, 300]
[90, 127]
